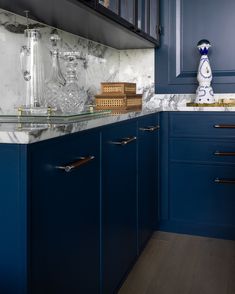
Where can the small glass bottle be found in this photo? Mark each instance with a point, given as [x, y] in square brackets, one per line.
[73, 97]
[56, 81]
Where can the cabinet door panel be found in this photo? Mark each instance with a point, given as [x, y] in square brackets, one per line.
[202, 125]
[185, 22]
[202, 150]
[65, 216]
[142, 20]
[127, 8]
[13, 218]
[195, 196]
[147, 177]
[119, 204]
[154, 19]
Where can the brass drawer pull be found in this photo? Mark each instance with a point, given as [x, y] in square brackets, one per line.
[150, 128]
[224, 126]
[224, 181]
[76, 164]
[124, 141]
[219, 153]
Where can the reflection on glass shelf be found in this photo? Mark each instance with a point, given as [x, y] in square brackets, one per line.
[53, 117]
[110, 4]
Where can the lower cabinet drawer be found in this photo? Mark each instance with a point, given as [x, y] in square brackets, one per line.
[202, 150]
[203, 124]
[202, 194]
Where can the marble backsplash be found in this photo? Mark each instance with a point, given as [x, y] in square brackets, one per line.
[177, 102]
[97, 63]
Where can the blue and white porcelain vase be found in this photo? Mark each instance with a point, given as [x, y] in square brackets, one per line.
[204, 92]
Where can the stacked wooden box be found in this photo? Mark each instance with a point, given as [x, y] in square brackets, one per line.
[118, 97]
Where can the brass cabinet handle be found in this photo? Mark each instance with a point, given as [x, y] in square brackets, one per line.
[224, 126]
[219, 153]
[124, 141]
[76, 164]
[150, 128]
[224, 181]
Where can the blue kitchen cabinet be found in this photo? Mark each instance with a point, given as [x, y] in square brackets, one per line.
[65, 214]
[198, 173]
[110, 23]
[119, 203]
[50, 216]
[201, 199]
[148, 132]
[13, 219]
[139, 16]
[184, 23]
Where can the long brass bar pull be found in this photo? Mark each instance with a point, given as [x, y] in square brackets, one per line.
[219, 153]
[124, 141]
[224, 181]
[76, 164]
[224, 126]
[150, 128]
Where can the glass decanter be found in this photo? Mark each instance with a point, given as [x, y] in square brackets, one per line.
[56, 81]
[73, 97]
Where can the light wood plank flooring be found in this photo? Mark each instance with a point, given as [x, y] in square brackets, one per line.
[183, 264]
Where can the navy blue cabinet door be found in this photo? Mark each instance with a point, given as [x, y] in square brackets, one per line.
[201, 200]
[65, 215]
[198, 173]
[148, 129]
[185, 22]
[119, 203]
[13, 218]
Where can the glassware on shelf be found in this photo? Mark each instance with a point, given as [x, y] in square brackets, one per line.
[32, 68]
[56, 81]
[73, 96]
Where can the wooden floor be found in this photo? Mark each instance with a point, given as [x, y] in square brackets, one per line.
[183, 264]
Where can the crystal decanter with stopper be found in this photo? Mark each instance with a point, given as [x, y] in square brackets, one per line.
[73, 96]
[56, 81]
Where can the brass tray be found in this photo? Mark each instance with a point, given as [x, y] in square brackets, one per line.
[54, 118]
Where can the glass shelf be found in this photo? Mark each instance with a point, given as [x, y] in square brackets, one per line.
[60, 118]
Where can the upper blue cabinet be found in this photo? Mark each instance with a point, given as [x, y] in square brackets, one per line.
[184, 23]
[113, 22]
[138, 16]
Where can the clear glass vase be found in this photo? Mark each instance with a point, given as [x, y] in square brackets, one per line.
[56, 81]
[32, 69]
[73, 96]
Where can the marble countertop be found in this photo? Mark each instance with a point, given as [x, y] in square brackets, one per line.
[17, 133]
[26, 133]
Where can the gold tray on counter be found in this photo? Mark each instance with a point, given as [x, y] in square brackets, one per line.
[54, 118]
[221, 103]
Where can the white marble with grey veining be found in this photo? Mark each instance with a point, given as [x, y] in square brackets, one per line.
[31, 133]
[97, 63]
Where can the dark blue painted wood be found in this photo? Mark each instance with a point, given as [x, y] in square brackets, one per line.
[191, 202]
[65, 216]
[13, 214]
[119, 204]
[71, 15]
[196, 199]
[147, 178]
[185, 22]
[201, 124]
[163, 162]
[202, 151]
